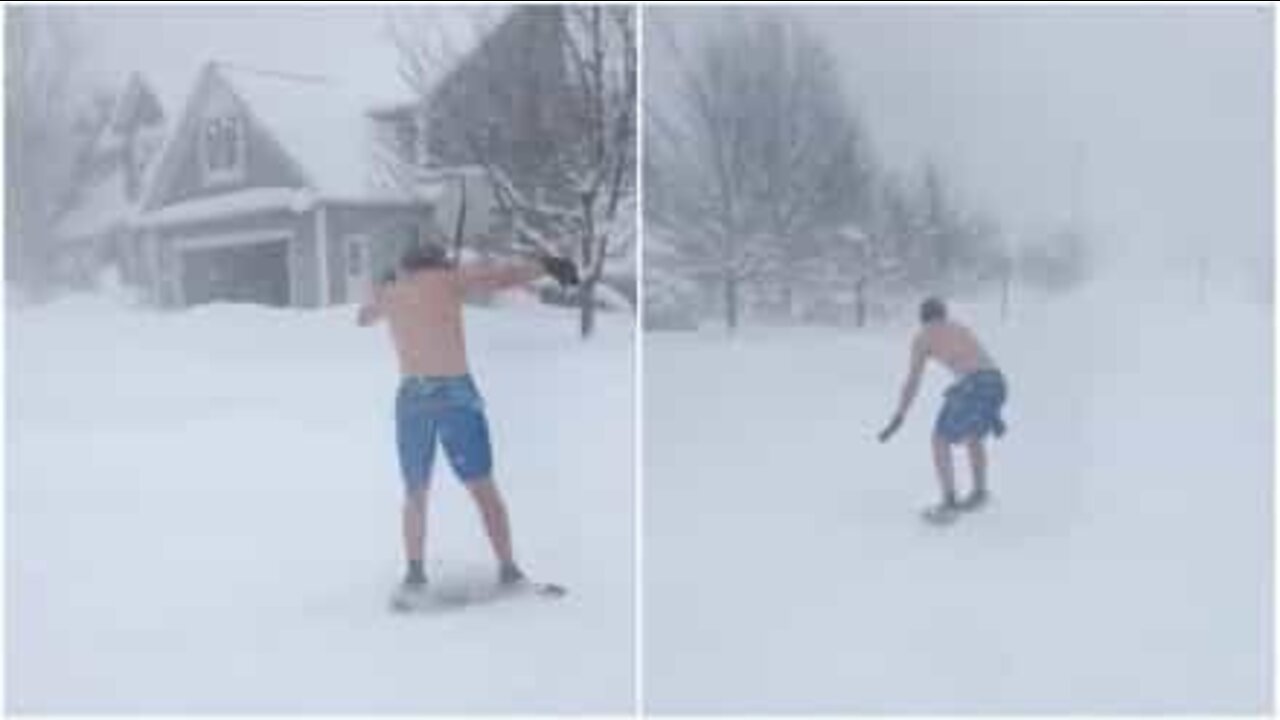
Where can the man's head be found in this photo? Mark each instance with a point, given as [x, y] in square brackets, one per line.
[932, 310]
[428, 255]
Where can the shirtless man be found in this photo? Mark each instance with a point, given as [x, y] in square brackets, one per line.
[971, 408]
[437, 399]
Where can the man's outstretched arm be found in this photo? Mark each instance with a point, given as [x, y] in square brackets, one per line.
[499, 276]
[909, 388]
[491, 277]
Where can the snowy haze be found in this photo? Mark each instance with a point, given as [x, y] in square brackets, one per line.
[205, 519]
[232, 469]
[168, 44]
[1166, 112]
[1124, 564]
[1161, 115]
[1123, 567]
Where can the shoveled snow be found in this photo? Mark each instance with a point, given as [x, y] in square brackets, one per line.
[203, 513]
[1124, 567]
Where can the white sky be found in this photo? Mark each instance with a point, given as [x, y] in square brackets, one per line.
[1168, 109]
[169, 43]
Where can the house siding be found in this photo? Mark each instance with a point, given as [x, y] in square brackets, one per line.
[266, 163]
[314, 245]
[388, 228]
[167, 280]
[304, 262]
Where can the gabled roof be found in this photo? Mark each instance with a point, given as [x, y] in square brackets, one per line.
[321, 124]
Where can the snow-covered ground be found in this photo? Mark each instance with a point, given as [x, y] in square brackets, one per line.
[1124, 567]
[202, 516]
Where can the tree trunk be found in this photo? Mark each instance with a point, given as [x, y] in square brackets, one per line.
[587, 288]
[587, 308]
[860, 303]
[731, 302]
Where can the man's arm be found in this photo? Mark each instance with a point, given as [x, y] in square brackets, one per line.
[492, 277]
[919, 353]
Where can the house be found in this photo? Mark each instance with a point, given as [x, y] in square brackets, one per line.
[98, 226]
[269, 190]
[295, 190]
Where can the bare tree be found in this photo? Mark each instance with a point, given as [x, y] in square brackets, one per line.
[768, 157]
[545, 105]
[43, 49]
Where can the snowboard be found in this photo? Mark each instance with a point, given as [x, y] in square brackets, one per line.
[459, 595]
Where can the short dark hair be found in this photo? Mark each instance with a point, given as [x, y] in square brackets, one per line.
[932, 309]
[427, 255]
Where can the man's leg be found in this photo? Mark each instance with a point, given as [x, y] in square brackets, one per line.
[414, 526]
[493, 511]
[465, 436]
[978, 462]
[946, 474]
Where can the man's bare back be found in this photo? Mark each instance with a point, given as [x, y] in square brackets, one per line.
[953, 345]
[424, 311]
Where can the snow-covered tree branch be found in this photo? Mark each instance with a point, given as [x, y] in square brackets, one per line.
[545, 104]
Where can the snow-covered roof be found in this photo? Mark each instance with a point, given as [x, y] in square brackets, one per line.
[322, 124]
[232, 203]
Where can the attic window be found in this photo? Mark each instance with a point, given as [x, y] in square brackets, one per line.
[412, 132]
[223, 145]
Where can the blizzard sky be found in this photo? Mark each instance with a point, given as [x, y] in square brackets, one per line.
[1163, 114]
[170, 43]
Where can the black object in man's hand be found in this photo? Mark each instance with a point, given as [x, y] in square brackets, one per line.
[892, 428]
[562, 269]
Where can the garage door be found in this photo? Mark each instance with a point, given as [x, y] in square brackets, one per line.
[256, 273]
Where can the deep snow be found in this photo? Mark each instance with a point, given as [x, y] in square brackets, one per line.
[202, 516]
[1124, 567]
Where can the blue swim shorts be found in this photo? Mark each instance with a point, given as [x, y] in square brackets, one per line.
[449, 409]
[972, 407]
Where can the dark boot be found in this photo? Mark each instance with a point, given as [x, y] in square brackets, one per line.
[974, 500]
[509, 575]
